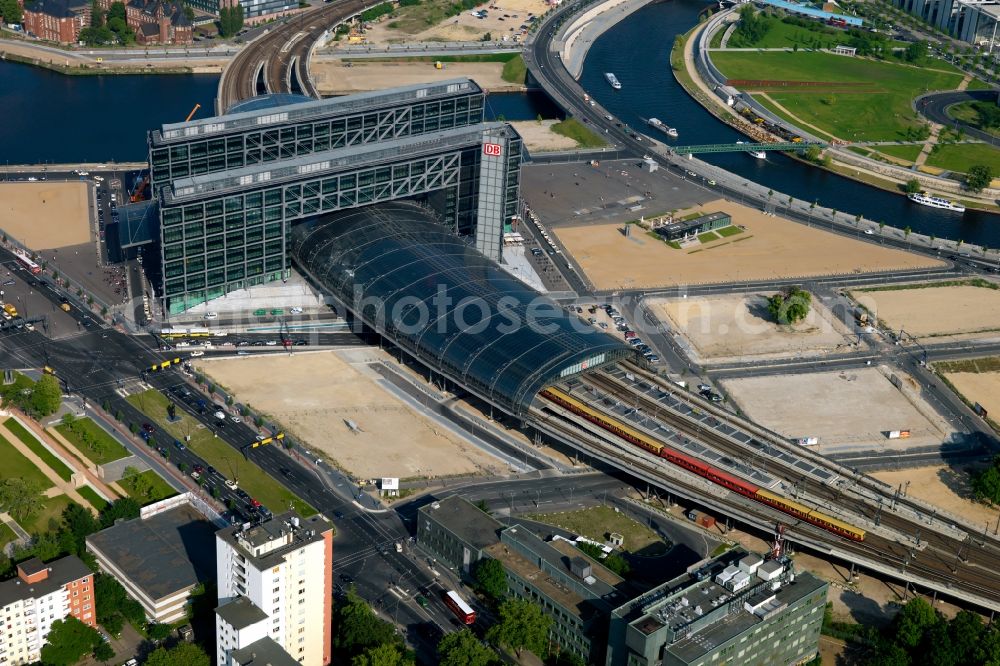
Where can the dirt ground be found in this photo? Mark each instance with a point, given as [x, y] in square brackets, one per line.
[314, 395]
[946, 488]
[836, 407]
[770, 248]
[936, 311]
[981, 387]
[726, 328]
[464, 27]
[334, 77]
[45, 215]
[539, 137]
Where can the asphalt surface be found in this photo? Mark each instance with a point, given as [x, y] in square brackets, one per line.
[934, 107]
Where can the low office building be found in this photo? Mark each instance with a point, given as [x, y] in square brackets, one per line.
[681, 229]
[275, 584]
[735, 609]
[160, 557]
[57, 20]
[39, 595]
[456, 532]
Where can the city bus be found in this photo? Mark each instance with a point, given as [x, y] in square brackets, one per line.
[27, 263]
[458, 606]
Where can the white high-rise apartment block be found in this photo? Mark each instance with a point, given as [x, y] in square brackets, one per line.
[40, 595]
[275, 589]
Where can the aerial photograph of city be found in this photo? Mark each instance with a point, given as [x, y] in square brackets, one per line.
[500, 332]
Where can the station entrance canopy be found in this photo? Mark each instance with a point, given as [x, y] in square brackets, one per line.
[407, 276]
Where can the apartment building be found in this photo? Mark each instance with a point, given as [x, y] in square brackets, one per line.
[275, 581]
[39, 595]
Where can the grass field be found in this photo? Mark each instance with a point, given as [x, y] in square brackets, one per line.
[514, 70]
[220, 455]
[907, 152]
[91, 496]
[158, 488]
[6, 535]
[599, 521]
[882, 115]
[417, 18]
[977, 365]
[731, 230]
[17, 466]
[708, 237]
[978, 84]
[784, 34]
[93, 441]
[966, 113]
[575, 130]
[64, 472]
[52, 509]
[960, 156]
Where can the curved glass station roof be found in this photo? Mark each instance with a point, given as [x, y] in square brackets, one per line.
[412, 279]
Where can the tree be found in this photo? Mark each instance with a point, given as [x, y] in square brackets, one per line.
[388, 654]
[912, 622]
[913, 186]
[979, 177]
[986, 484]
[567, 658]
[20, 498]
[491, 578]
[79, 523]
[157, 631]
[617, 564]
[185, 654]
[117, 10]
[12, 13]
[789, 306]
[521, 625]
[126, 508]
[462, 648]
[104, 652]
[915, 51]
[356, 628]
[46, 396]
[68, 641]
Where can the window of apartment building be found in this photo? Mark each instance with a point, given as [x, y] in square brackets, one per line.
[302, 630]
[276, 590]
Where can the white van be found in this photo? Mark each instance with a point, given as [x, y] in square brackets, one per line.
[211, 315]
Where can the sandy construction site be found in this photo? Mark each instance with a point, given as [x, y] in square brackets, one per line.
[315, 395]
[848, 411]
[947, 488]
[721, 329]
[504, 18]
[771, 247]
[336, 77]
[981, 387]
[936, 311]
[45, 215]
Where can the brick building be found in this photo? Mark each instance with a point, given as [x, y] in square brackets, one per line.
[57, 20]
[156, 21]
[39, 595]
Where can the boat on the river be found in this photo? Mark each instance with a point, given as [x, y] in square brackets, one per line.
[925, 199]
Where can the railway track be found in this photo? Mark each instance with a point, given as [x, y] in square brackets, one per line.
[951, 562]
[270, 57]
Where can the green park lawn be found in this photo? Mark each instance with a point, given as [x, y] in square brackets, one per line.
[514, 70]
[784, 34]
[6, 535]
[731, 230]
[91, 496]
[220, 455]
[881, 115]
[153, 485]
[16, 465]
[52, 507]
[57, 466]
[93, 441]
[707, 237]
[979, 84]
[906, 152]
[960, 156]
[574, 129]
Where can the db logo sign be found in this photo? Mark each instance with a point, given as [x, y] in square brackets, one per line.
[491, 149]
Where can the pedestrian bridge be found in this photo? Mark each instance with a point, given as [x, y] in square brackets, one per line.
[745, 147]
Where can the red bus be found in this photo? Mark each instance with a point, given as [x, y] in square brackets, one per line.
[26, 261]
[458, 606]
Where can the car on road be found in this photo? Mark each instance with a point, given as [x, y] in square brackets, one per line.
[148, 428]
[199, 469]
[220, 414]
[211, 315]
[296, 310]
[704, 387]
[338, 514]
[421, 601]
[271, 343]
[195, 475]
[178, 445]
[712, 182]
[8, 283]
[346, 578]
[235, 419]
[231, 484]
[869, 232]
[197, 352]
[692, 174]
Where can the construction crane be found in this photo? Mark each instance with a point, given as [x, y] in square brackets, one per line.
[141, 188]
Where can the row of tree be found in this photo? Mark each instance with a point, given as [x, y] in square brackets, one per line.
[111, 28]
[919, 636]
[38, 399]
[11, 12]
[230, 20]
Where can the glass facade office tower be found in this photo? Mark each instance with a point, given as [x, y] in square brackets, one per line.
[228, 188]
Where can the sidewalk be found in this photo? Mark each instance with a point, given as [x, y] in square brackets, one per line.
[66, 486]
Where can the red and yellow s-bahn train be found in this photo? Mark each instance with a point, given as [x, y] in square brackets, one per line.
[702, 469]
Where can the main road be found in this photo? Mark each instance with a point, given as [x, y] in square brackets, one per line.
[278, 60]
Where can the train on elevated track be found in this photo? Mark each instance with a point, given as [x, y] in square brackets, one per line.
[702, 469]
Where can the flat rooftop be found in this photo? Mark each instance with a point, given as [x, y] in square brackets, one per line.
[266, 544]
[464, 519]
[263, 652]
[331, 161]
[60, 572]
[241, 613]
[306, 111]
[163, 554]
